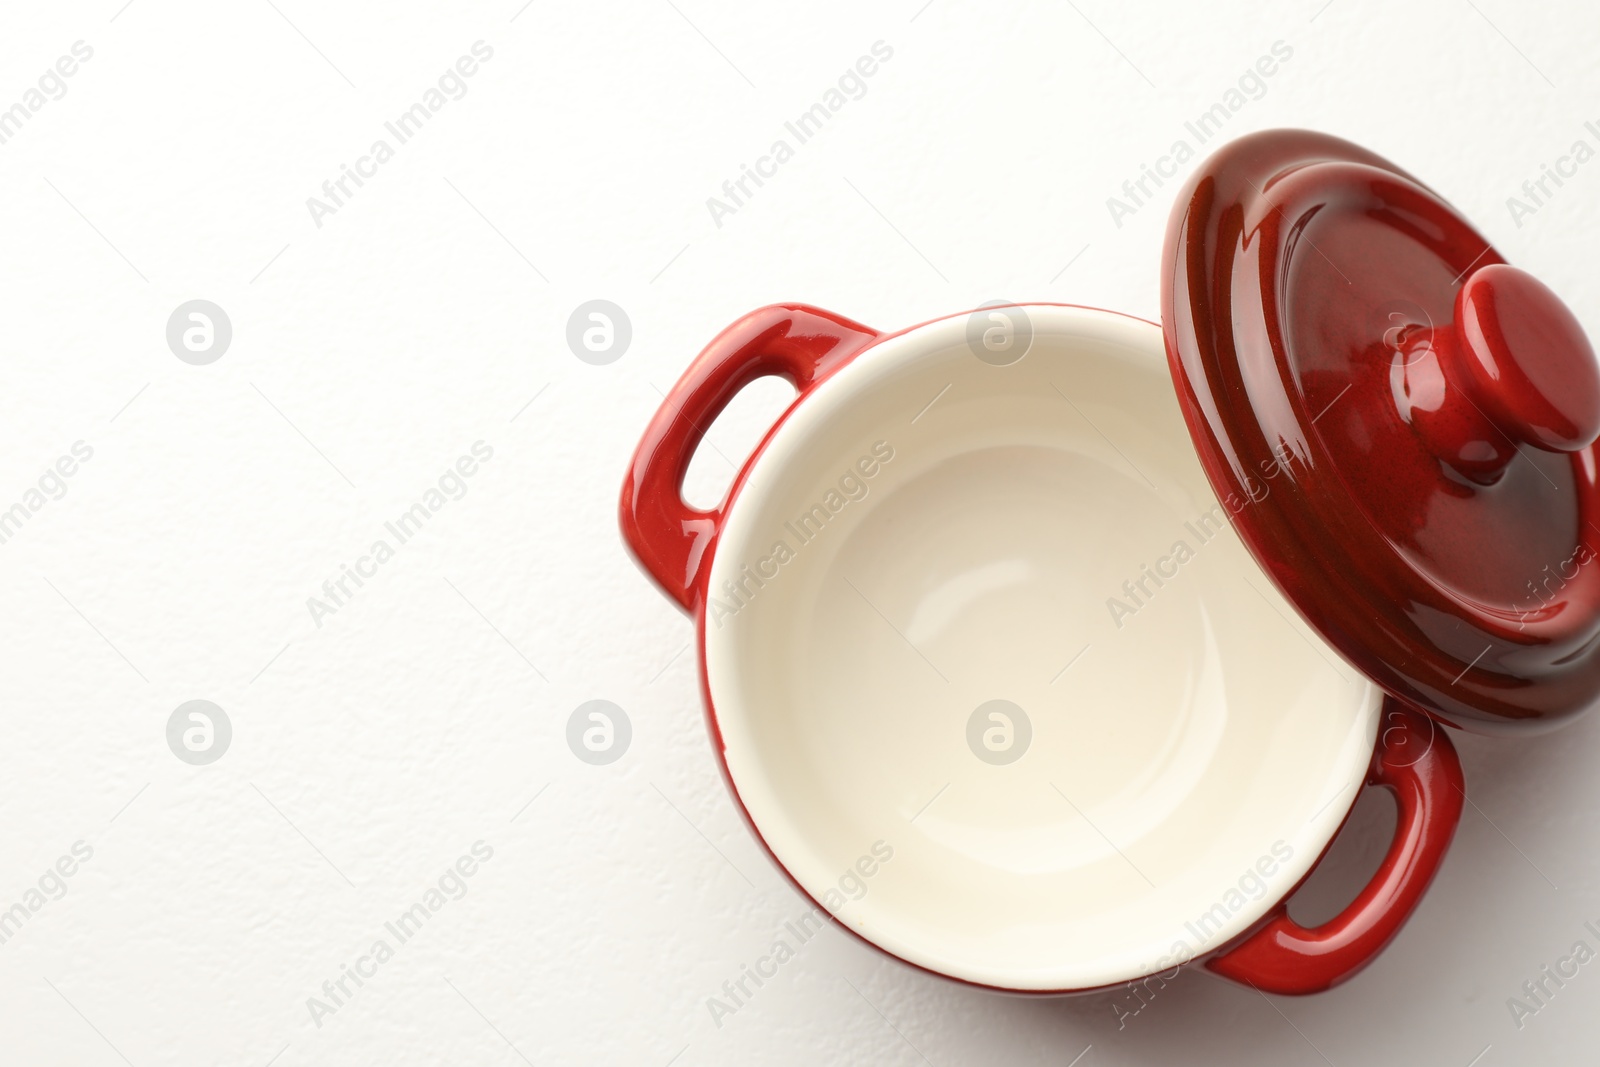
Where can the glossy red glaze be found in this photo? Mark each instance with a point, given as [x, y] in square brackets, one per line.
[1512, 367]
[672, 540]
[675, 543]
[1527, 359]
[1363, 379]
[1416, 762]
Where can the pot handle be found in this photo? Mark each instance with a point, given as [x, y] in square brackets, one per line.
[670, 539]
[1415, 761]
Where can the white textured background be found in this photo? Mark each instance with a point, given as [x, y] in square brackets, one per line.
[429, 313]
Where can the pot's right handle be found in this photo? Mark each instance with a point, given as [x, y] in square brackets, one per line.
[1414, 760]
[672, 540]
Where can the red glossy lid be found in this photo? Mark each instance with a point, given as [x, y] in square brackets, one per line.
[1401, 425]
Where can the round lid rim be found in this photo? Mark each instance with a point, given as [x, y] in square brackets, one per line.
[1339, 601]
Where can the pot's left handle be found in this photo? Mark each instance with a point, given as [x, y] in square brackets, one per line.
[672, 540]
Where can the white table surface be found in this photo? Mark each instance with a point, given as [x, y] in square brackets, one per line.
[429, 312]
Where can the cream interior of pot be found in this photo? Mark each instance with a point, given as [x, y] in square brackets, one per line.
[997, 682]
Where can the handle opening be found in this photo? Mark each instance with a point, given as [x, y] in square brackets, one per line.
[1351, 862]
[732, 437]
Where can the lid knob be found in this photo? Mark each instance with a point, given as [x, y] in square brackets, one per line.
[1515, 366]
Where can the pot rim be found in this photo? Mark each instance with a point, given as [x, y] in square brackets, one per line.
[811, 407]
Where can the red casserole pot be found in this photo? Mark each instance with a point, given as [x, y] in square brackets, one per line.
[1048, 649]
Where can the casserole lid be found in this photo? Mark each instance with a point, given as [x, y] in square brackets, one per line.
[1401, 425]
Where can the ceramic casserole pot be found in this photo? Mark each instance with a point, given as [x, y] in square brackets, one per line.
[1048, 649]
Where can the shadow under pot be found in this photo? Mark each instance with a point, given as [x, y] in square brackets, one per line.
[1003, 655]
